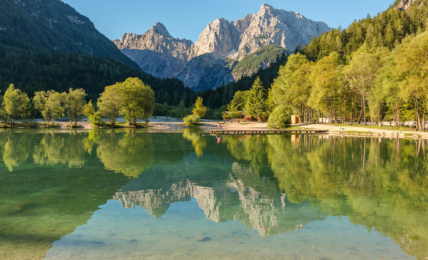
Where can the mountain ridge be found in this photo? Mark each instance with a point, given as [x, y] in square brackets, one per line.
[161, 55]
[53, 26]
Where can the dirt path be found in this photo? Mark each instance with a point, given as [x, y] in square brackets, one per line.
[383, 132]
[170, 124]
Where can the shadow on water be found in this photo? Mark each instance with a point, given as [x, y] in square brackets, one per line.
[51, 183]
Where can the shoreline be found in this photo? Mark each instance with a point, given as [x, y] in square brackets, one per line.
[161, 124]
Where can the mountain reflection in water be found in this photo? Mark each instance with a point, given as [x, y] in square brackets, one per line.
[52, 182]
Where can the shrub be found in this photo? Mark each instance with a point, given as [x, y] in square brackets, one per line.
[191, 120]
[95, 119]
[280, 117]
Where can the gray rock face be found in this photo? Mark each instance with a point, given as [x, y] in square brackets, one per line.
[279, 27]
[156, 51]
[161, 55]
[405, 4]
[206, 72]
[221, 37]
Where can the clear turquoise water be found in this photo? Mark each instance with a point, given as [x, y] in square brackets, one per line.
[136, 195]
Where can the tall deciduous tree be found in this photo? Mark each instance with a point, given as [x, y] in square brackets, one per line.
[74, 104]
[293, 87]
[110, 102]
[49, 104]
[388, 82]
[138, 100]
[16, 104]
[411, 60]
[325, 78]
[361, 75]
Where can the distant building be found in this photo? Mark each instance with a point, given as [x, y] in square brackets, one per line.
[295, 119]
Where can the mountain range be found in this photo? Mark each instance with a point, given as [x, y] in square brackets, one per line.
[221, 47]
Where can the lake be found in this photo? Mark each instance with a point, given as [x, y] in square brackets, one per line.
[132, 194]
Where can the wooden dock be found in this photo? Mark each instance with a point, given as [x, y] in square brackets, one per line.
[267, 132]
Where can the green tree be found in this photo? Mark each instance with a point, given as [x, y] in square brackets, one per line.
[49, 105]
[361, 75]
[232, 108]
[388, 82]
[89, 109]
[293, 87]
[94, 116]
[256, 100]
[16, 104]
[74, 104]
[181, 107]
[325, 77]
[110, 102]
[199, 110]
[138, 100]
[240, 99]
[411, 60]
[280, 117]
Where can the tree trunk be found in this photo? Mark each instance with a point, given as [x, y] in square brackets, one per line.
[364, 109]
[352, 110]
[397, 112]
[418, 116]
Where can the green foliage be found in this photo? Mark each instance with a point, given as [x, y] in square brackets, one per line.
[48, 104]
[59, 72]
[74, 104]
[232, 108]
[181, 108]
[89, 109]
[199, 110]
[56, 27]
[411, 67]
[60, 49]
[191, 120]
[251, 63]
[280, 117]
[16, 104]
[293, 86]
[110, 102]
[137, 100]
[385, 30]
[223, 95]
[256, 100]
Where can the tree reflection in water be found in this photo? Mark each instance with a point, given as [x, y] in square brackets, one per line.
[274, 184]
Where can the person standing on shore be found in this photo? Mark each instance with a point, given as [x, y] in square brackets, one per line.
[219, 126]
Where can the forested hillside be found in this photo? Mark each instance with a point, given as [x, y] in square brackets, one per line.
[223, 95]
[47, 45]
[52, 26]
[387, 29]
[371, 72]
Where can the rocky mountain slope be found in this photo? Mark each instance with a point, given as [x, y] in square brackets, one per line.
[52, 26]
[405, 4]
[227, 43]
[157, 52]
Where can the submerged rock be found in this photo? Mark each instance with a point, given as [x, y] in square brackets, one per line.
[204, 239]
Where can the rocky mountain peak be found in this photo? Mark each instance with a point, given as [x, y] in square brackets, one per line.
[160, 29]
[203, 65]
[266, 8]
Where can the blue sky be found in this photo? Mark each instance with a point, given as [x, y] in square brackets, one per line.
[188, 18]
